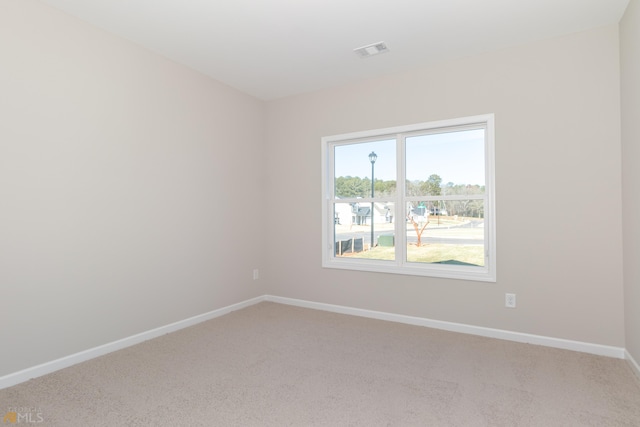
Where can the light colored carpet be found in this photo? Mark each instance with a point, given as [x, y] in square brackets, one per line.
[278, 365]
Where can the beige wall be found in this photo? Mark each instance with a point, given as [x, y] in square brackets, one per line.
[630, 88]
[129, 189]
[557, 112]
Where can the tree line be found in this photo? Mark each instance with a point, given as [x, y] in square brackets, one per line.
[353, 187]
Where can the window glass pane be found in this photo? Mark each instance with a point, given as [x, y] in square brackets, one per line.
[353, 230]
[435, 235]
[353, 168]
[450, 163]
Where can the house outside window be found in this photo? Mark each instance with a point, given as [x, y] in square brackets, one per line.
[415, 199]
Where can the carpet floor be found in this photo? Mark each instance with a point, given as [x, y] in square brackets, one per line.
[277, 365]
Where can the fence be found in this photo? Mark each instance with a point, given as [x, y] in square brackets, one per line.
[349, 246]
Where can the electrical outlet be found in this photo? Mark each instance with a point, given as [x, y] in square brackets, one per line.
[256, 274]
[510, 300]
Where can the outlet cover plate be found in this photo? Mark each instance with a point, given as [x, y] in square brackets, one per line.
[510, 300]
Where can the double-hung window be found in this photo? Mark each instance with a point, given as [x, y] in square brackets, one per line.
[415, 199]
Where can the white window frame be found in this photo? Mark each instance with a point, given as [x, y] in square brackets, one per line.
[486, 273]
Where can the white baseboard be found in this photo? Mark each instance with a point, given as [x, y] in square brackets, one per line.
[632, 362]
[64, 362]
[601, 350]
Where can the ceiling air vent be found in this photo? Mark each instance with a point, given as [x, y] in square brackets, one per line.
[371, 49]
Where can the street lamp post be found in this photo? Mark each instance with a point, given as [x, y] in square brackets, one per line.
[372, 158]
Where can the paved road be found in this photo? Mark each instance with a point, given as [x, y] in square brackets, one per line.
[427, 237]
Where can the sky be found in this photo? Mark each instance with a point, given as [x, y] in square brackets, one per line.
[456, 157]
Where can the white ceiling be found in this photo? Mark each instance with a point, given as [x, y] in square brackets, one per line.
[277, 48]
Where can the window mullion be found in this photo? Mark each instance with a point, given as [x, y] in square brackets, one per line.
[452, 198]
[400, 225]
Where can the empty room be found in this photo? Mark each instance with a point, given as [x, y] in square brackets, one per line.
[338, 213]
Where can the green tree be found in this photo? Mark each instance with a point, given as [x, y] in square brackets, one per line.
[348, 186]
[352, 187]
[432, 186]
[385, 188]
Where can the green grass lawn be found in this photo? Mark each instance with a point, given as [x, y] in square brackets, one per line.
[431, 253]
